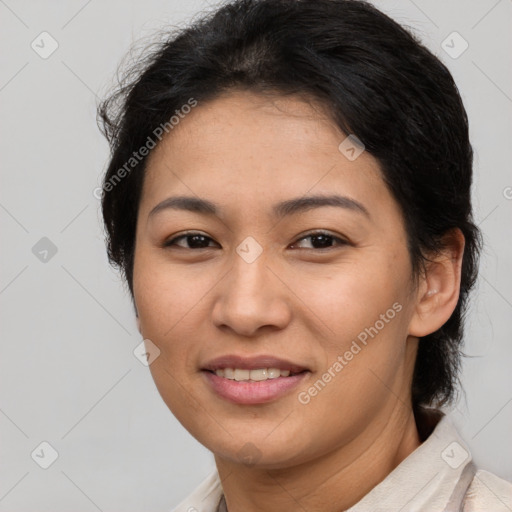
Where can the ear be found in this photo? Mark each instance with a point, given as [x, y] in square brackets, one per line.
[438, 288]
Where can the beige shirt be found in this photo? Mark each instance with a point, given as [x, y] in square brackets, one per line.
[439, 476]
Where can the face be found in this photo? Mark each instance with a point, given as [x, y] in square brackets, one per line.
[289, 256]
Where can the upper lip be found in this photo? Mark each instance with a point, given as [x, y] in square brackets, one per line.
[252, 363]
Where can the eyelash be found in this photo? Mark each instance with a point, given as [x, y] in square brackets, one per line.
[338, 240]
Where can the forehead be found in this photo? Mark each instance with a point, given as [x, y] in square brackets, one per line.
[252, 148]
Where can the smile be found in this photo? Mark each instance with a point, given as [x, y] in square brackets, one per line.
[252, 380]
[257, 375]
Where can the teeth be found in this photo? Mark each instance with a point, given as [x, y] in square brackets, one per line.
[242, 374]
[260, 374]
[273, 373]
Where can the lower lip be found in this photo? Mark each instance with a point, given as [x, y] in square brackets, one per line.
[251, 392]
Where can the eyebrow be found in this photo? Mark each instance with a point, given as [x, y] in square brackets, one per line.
[282, 209]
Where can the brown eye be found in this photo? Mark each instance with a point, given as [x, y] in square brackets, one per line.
[190, 241]
[320, 240]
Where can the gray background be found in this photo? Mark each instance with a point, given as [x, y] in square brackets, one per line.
[68, 374]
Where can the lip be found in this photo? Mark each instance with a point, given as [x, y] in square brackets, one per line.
[251, 392]
[252, 363]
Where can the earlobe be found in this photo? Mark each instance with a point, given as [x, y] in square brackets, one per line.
[439, 287]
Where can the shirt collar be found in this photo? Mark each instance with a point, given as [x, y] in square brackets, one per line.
[433, 477]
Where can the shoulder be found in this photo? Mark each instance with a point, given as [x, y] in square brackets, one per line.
[488, 492]
[204, 498]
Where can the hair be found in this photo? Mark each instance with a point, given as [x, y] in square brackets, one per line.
[376, 80]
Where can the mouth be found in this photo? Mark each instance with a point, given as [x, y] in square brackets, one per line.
[253, 380]
[256, 375]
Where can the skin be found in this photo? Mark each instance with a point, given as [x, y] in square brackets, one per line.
[296, 301]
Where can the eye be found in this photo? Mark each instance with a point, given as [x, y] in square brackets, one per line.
[320, 240]
[190, 241]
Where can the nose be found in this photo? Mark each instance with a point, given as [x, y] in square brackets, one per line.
[251, 299]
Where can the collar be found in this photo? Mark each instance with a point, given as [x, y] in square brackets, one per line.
[433, 477]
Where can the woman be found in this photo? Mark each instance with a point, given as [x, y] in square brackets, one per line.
[288, 198]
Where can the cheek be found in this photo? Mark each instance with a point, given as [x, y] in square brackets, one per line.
[168, 306]
[351, 297]
[164, 303]
[363, 308]
[164, 295]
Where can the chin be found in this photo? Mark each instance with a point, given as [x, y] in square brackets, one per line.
[255, 449]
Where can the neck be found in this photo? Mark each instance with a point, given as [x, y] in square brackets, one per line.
[331, 483]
